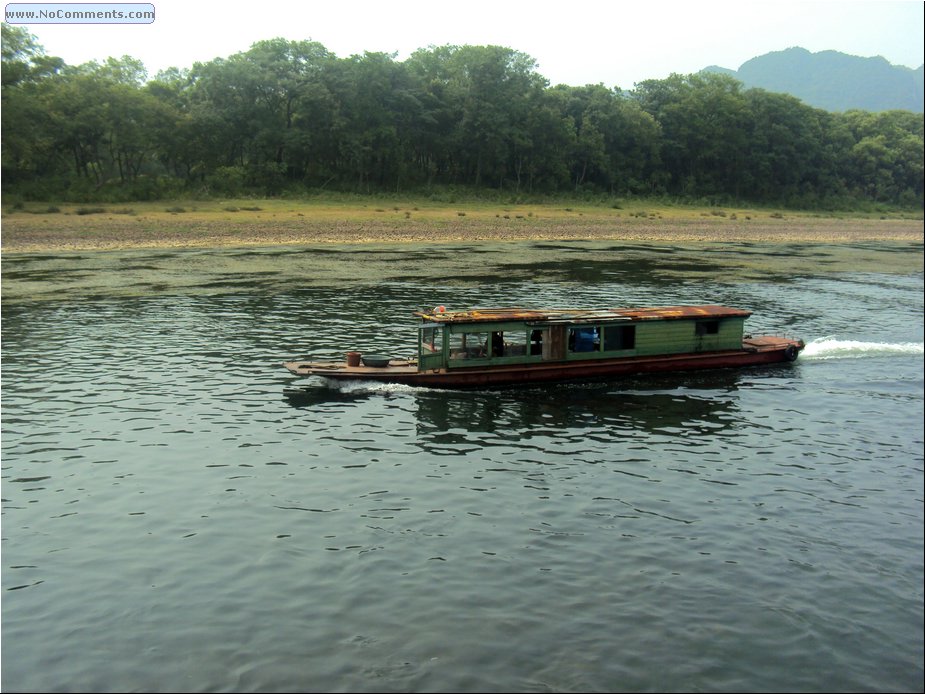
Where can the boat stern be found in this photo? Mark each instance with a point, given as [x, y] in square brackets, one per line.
[786, 348]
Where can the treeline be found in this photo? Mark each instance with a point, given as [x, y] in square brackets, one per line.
[287, 117]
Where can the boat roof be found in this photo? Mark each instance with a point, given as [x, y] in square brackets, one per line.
[441, 314]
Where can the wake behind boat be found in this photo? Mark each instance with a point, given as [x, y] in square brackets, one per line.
[513, 346]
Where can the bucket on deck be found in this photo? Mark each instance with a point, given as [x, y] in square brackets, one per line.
[353, 358]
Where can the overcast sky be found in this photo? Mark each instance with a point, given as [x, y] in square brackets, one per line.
[616, 42]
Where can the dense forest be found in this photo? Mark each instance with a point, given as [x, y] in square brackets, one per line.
[289, 118]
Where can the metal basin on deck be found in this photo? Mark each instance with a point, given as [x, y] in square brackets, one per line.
[375, 360]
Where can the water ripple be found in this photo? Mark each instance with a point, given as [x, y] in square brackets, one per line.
[180, 514]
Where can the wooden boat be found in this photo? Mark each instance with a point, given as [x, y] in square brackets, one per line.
[512, 346]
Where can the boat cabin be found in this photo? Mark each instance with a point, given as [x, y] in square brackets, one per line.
[509, 336]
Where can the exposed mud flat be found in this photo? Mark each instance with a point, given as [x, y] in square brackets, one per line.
[26, 233]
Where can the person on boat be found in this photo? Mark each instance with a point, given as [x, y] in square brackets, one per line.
[497, 344]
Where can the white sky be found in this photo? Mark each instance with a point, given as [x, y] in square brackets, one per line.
[614, 42]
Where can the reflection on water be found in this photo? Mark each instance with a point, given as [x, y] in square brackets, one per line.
[695, 402]
[181, 514]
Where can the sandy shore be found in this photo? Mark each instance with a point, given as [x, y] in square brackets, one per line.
[24, 232]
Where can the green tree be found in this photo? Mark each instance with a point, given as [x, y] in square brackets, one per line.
[378, 111]
[256, 112]
[784, 137]
[479, 102]
[23, 59]
[615, 143]
[886, 158]
[28, 154]
[703, 120]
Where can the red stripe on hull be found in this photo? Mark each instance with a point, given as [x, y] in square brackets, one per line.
[586, 370]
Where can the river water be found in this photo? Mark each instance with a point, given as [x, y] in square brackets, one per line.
[181, 514]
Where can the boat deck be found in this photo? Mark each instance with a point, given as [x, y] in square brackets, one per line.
[341, 369]
[767, 343]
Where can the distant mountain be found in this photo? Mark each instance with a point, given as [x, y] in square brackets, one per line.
[834, 81]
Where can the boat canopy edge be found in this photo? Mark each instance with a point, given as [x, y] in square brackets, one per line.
[498, 315]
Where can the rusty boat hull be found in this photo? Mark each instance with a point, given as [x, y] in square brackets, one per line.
[755, 351]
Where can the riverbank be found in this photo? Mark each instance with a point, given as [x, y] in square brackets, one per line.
[41, 228]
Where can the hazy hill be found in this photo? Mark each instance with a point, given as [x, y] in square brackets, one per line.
[834, 81]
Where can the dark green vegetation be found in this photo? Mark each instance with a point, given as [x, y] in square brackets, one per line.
[834, 81]
[290, 118]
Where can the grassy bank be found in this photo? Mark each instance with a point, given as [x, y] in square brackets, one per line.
[34, 227]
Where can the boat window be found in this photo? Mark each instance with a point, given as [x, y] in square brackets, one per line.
[494, 344]
[618, 337]
[468, 345]
[707, 327]
[432, 339]
[511, 343]
[586, 339]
